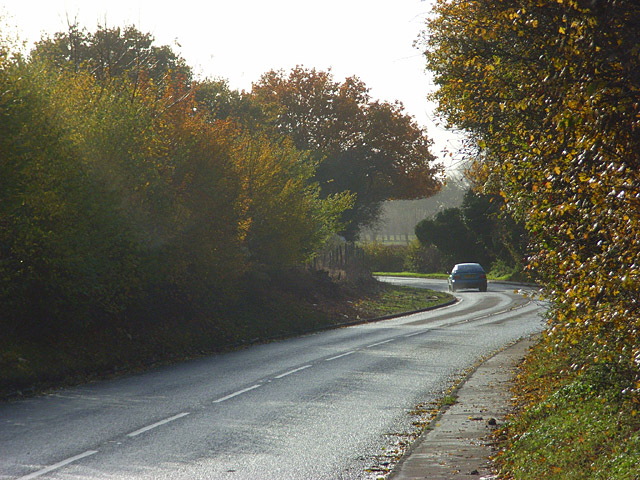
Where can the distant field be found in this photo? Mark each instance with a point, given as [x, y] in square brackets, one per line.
[400, 239]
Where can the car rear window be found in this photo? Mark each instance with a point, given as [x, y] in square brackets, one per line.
[470, 269]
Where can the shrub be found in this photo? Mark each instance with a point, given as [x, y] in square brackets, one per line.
[384, 258]
[424, 259]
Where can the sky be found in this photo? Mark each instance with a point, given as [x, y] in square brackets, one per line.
[239, 40]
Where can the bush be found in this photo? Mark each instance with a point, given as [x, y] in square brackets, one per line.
[384, 258]
[424, 259]
[501, 270]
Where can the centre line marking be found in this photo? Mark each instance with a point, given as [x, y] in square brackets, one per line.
[340, 356]
[157, 424]
[414, 334]
[380, 343]
[292, 371]
[58, 465]
[240, 392]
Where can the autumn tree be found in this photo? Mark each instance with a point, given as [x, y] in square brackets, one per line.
[284, 219]
[121, 195]
[550, 92]
[284, 216]
[135, 203]
[68, 258]
[369, 148]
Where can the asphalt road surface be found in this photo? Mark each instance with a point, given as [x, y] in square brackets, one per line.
[321, 406]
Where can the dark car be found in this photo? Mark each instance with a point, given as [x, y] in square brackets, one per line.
[468, 275]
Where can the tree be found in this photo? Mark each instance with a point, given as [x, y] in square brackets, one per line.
[550, 91]
[217, 101]
[479, 231]
[371, 149]
[173, 173]
[136, 202]
[195, 212]
[284, 219]
[497, 234]
[110, 53]
[115, 196]
[448, 232]
[68, 260]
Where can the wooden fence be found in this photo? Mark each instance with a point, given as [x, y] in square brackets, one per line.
[341, 261]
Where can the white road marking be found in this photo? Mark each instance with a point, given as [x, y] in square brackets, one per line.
[340, 356]
[414, 334]
[157, 424]
[58, 465]
[293, 371]
[240, 392]
[379, 343]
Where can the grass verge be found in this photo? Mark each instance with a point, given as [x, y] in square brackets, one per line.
[393, 299]
[570, 425]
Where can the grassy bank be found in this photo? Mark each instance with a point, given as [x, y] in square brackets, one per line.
[571, 425]
[395, 299]
[267, 308]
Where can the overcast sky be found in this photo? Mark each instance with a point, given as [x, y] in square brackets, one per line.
[239, 40]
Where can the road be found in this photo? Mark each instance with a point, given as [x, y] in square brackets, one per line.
[321, 406]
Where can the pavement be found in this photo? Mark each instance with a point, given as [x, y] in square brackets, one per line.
[458, 446]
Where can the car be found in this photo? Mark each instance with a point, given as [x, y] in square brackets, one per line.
[468, 275]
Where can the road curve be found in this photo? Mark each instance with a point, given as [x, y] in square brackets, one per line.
[321, 406]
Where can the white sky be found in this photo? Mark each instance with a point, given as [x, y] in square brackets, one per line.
[239, 40]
